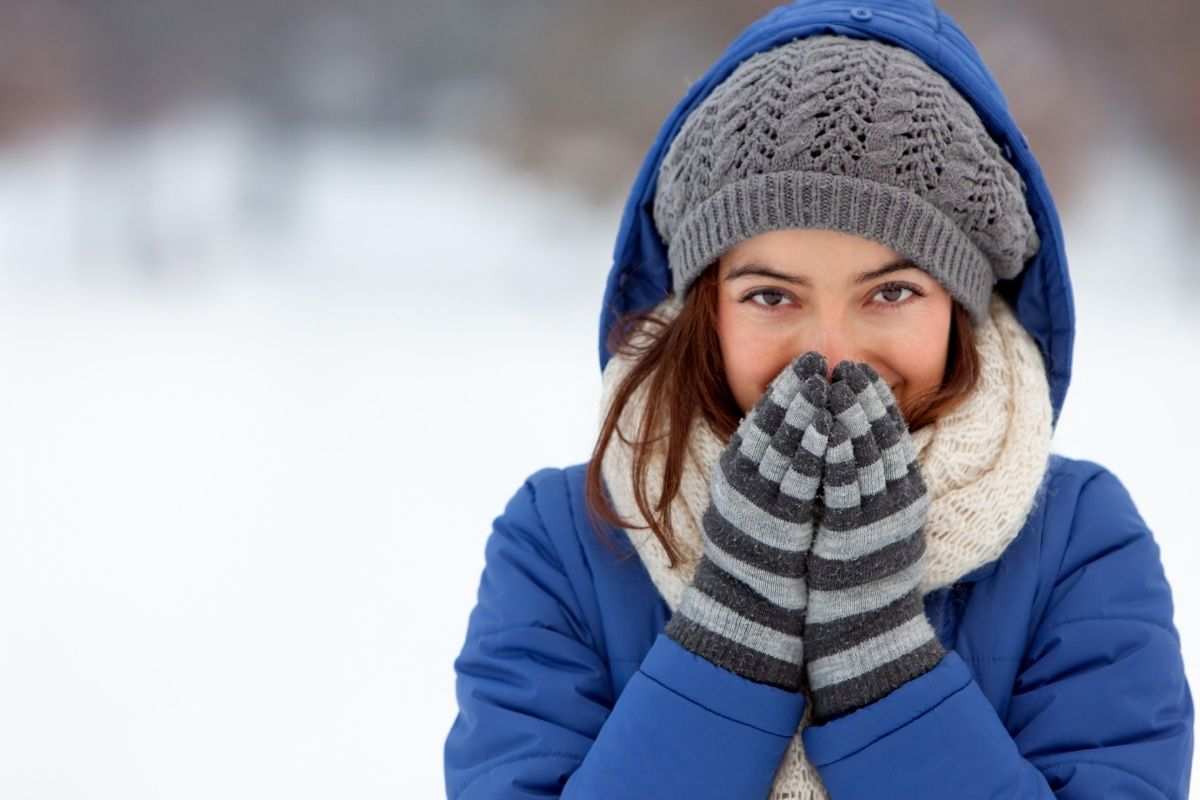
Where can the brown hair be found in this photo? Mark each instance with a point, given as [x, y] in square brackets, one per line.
[681, 359]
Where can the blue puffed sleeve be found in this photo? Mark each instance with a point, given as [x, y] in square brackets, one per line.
[536, 712]
[1101, 705]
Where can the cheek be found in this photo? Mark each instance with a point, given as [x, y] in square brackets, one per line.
[919, 354]
[752, 359]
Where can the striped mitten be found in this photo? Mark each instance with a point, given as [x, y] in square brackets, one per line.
[866, 633]
[744, 609]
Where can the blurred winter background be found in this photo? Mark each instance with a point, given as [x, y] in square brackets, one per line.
[294, 295]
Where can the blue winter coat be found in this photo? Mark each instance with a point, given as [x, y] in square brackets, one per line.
[1063, 675]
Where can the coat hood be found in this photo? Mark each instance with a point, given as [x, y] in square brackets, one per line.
[1040, 296]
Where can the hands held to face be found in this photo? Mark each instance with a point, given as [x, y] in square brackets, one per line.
[813, 544]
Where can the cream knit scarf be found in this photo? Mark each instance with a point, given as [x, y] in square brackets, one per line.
[982, 463]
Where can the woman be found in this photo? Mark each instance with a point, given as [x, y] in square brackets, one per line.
[822, 548]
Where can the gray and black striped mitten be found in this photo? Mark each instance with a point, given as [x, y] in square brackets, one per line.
[866, 633]
[744, 609]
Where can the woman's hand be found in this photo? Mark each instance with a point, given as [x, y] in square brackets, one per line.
[866, 633]
[744, 609]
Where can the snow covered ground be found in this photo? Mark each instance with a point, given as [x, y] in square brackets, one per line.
[248, 468]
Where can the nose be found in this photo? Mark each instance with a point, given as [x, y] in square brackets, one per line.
[832, 339]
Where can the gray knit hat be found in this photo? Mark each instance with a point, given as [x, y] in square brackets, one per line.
[850, 135]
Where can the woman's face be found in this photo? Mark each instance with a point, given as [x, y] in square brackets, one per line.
[786, 292]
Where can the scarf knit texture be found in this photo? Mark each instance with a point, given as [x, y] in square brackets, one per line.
[982, 463]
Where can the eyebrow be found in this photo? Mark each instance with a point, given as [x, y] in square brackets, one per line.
[863, 277]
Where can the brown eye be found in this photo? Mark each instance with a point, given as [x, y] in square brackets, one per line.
[893, 294]
[772, 297]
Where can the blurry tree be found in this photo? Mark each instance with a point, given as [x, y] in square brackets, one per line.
[573, 89]
[42, 50]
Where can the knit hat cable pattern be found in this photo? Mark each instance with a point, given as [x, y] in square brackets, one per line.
[850, 135]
